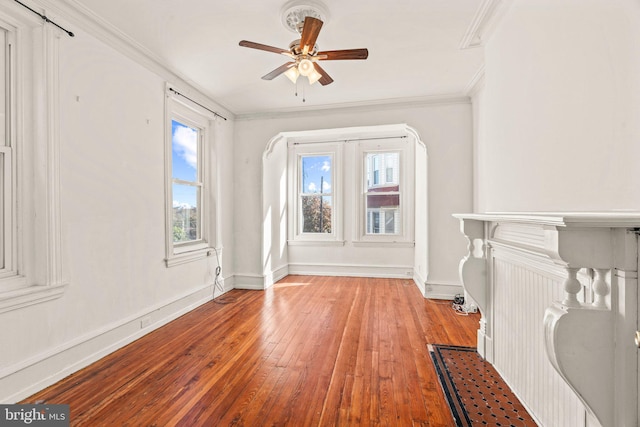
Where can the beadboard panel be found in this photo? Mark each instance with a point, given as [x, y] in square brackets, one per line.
[522, 293]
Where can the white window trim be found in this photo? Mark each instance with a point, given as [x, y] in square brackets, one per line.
[406, 183]
[296, 152]
[34, 272]
[190, 114]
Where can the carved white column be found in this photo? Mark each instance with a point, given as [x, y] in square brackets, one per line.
[473, 274]
[579, 335]
[571, 288]
[600, 288]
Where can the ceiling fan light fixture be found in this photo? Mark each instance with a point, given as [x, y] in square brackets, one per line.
[304, 17]
[292, 73]
[314, 76]
[305, 67]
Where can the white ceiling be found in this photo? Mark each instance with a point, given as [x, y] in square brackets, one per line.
[413, 48]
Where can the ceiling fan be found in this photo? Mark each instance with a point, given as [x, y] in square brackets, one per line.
[304, 54]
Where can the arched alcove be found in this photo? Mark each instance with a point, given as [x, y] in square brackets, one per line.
[407, 259]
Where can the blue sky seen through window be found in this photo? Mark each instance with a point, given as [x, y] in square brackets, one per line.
[316, 170]
[184, 163]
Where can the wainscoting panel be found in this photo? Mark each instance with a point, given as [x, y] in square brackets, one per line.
[521, 297]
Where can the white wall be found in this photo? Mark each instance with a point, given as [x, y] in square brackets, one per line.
[112, 206]
[275, 257]
[421, 250]
[561, 108]
[444, 127]
[558, 118]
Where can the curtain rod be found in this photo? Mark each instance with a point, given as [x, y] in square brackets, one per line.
[350, 139]
[45, 19]
[197, 103]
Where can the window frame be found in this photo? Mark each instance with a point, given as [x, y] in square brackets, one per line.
[189, 114]
[33, 270]
[406, 175]
[10, 278]
[296, 152]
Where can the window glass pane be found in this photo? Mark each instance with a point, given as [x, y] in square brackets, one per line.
[391, 163]
[316, 174]
[386, 201]
[184, 141]
[316, 214]
[375, 225]
[389, 222]
[389, 177]
[186, 215]
[383, 221]
[382, 198]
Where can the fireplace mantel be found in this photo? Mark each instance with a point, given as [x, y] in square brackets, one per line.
[563, 284]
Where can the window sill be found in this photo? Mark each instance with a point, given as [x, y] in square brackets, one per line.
[315, 242]
[384, 243]
[30, 295]
[186, 257]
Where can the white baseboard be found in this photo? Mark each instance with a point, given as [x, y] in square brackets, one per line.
[23, 379]
[252, 282]
[275, 275]
[420, 282]
[442, 290]
[353, 270]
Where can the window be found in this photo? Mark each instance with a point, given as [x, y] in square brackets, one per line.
[11, 276]
[188, 217]
[314, 183]
[316, 199]
[29, 194]
[186, 189]
[6, 157]
[382, 198]
[386, 201]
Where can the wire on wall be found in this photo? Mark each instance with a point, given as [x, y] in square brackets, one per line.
[45, 19]
[220, 299]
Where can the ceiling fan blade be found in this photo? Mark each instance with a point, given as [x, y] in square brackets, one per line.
[310, 31]
[343, 54]
[261, 46]
[326, 78]
[281, 69]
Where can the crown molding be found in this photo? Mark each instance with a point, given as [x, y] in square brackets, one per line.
[484, 22]
[476, 83]
[77, 14]
[355, 107]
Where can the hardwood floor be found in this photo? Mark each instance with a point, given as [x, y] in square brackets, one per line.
[311, 351]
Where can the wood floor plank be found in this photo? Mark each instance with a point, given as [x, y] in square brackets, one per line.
[310, 351]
